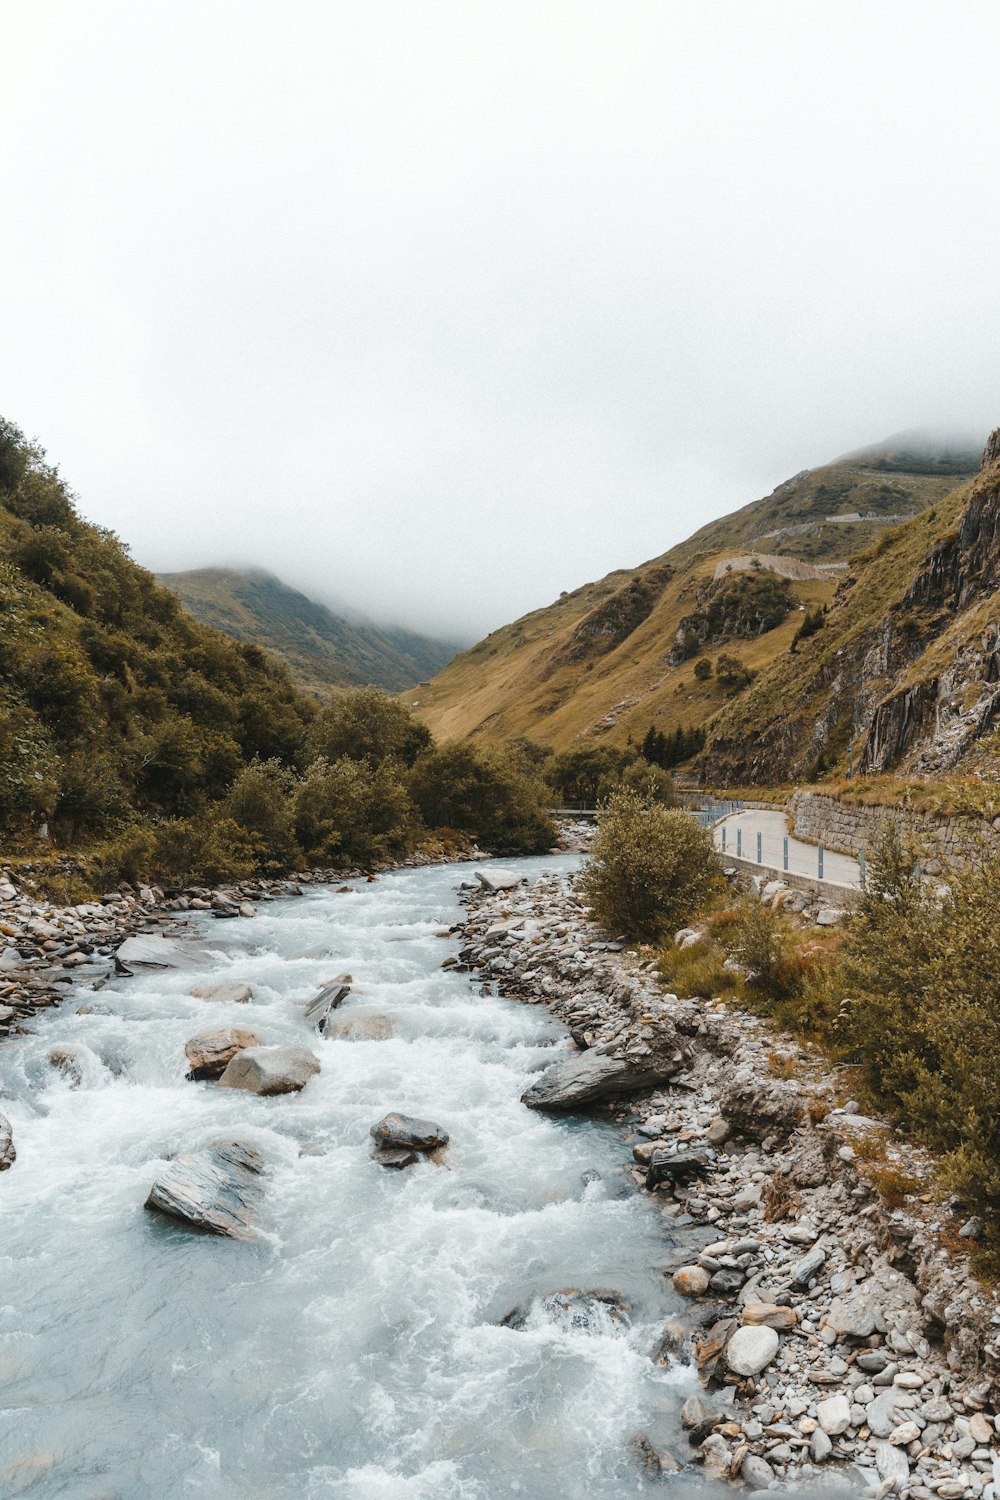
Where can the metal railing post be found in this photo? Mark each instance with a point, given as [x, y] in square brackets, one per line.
[861, 867]
[759, 840]
[723, 839]
[784, 852]
[821, 851]
[739, 843]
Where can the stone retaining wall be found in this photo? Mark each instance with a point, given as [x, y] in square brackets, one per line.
[818, 818]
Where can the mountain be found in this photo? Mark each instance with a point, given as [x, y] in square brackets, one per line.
[613, 657]
[322, 650]
[906, 667]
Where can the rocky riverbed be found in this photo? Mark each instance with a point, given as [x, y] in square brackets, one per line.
[836, 1337]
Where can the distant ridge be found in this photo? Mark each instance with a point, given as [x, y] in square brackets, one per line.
[323, 650]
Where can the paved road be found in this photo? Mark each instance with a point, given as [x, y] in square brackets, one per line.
[843, 869]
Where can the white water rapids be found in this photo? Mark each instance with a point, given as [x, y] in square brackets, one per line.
[355, 1350]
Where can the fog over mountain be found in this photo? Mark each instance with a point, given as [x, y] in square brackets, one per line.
[438, 310]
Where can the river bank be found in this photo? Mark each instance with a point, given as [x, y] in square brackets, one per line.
[851, 1338]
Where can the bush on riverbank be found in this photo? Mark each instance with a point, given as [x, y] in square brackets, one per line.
[650, 870]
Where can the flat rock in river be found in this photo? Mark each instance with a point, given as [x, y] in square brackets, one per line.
[270, 1070]
[499, 880]
[210, 1052]
[370, 1028]
[320, 1010]
[595, 1075]
[152, 950]
[217, 1190]
[225, 994]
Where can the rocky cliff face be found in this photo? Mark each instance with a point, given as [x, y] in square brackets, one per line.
[913, 683]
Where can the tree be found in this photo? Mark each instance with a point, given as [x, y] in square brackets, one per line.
[703, 669]
[650, 870]
[486, 791]
[366, 724]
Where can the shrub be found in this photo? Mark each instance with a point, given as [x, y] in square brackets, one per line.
[260, 802]
[196, 851]
[650, 868]
[703, 669]
[366, 724]
[922, 971]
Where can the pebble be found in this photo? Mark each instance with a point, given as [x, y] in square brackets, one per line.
[834, 1415]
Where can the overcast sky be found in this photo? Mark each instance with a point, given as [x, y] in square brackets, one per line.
[439, 308]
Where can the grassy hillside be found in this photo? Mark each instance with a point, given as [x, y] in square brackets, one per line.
[321, 649]
[606, 661]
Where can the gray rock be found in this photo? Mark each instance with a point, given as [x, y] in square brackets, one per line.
[834, 1415]
[859, 1314]
[153, 950]
[225, 994]
[320, 1010]
[396, 1157]
[757, 1472]
[892, 1464]
[751, 1349]
[883, 1414]
[270, 1070]
[210, 1052]
[499, 880]
[820, 1446]
[404, 1133]
[804, 1270]
[359, 1028]
[8, 1155]
[595, 1075]
[217, 1190]
[760, 1107]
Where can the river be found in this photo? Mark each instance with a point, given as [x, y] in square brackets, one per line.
[355, 1349]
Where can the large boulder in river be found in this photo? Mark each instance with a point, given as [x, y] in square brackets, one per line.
[499, 880]
[210, 1052]
[370, 1028]
[225, 994]
[596, 1075]
[8, 1155]
[153, 950]
[270, 1070]
[404, 1133]
[217, 1190]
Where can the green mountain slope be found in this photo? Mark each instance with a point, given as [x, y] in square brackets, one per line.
[322, 649]
[609, 659]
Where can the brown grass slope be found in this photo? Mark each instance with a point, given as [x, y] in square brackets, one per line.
[600, 661]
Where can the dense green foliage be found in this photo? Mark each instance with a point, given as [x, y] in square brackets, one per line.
[651, 868]
[673, 749]
[163, 747]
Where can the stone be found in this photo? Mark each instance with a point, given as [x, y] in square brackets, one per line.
[804, 1270]
[834, 1415]
[748, 1197]
[8, 1155]
[859, 1314]
[403, 1132]
[718, 1132]
[759, 1107]
[691, 1281]
[695, 1414]
[320, 1010]
[154, 950]
[216, 1190]
[667, 1164]
[499, 880]
[829, 916]
[225, 994]
[394, 1156]
[820, 1446]
[68, 1063]
[883, 1414]
[210, 1052]
[595, 1075]
[972, 1229]
[716, 1457]
[370, 1028]
[904, 1434]
[892, 1464]
[979, 1428]
[768, 1315]
[757, 1472]
[270, 1070]
[751, 1350]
